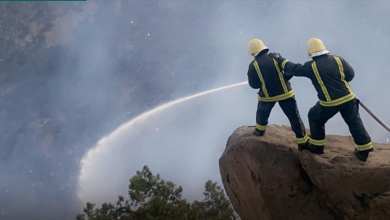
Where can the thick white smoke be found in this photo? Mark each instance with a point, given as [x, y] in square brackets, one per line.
[183, 143]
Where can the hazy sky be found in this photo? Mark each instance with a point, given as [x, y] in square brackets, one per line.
[184, 142]
[118, 63]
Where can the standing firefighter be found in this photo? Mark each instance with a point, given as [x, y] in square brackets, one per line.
[265, 75]
[330, 76]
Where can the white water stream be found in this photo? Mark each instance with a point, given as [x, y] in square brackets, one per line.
[183, 144]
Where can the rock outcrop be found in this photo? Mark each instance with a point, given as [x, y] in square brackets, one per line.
[268, 178]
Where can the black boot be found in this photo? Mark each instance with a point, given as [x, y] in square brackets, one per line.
[363, 155]
[304, 146]
[258, 132]
[316, 149]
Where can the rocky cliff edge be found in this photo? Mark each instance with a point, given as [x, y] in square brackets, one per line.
[268, 178]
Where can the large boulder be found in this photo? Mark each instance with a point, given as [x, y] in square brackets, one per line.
[268, 178]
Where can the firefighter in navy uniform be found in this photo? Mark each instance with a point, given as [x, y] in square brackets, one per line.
[265, 75]
[330, 76]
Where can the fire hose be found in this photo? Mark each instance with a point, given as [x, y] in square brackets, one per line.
[384, 125]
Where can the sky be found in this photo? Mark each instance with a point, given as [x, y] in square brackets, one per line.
[120, 59]
[184, 144]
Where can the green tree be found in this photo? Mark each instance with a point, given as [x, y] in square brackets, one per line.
[216, 205]
[152, 198]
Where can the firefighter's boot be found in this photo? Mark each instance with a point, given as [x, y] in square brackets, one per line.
[363, 155]
[258, 132]
[316, 149]
[304, 146]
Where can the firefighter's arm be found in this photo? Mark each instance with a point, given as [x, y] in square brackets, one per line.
[348, 71]
[277, 57]
[293, 69]
[281, 63]
[253, 78]
[296, 69]
[287, 77]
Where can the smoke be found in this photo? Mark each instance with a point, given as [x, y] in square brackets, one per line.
[168, 146]
[113, 60]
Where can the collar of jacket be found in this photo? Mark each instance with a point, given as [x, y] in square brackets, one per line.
[318, 57]
[265, 51]
[319, 53]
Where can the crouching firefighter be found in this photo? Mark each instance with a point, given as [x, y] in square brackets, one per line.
[330, 75]
[265, 75]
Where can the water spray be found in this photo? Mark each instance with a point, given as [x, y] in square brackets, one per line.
[149, 113]
[103, 146]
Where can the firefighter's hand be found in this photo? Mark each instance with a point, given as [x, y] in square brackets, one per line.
[276, 56]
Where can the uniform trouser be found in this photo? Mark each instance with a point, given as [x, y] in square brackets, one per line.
[319, 115]
[290, 109]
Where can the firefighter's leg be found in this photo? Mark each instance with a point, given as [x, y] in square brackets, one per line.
[290, 109]
[350, 113]
[318, 116]
[262, 115]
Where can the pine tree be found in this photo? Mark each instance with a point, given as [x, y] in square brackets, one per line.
[152, 198]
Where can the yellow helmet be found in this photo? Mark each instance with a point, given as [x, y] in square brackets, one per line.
[315, 47]
[255, 46]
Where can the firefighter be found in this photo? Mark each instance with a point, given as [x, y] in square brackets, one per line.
[264, 74]
[330, 75]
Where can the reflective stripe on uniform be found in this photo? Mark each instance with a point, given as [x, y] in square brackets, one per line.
[281, 97]
[261, 127]
[338, 101]
[302, 140]
[365, 146]
[317, 74]
[261, 78]
[341, 69]
[284, 63]
[329, 102]
[281, 77]
[319, 143]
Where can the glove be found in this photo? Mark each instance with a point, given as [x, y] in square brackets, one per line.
[276, 56]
